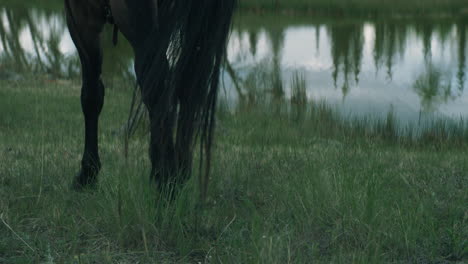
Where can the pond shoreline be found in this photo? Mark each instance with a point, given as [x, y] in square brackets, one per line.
[361, 8]
[330, 8]
[362, 14]
[364, 64]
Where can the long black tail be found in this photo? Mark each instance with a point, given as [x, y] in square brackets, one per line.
[191, 35]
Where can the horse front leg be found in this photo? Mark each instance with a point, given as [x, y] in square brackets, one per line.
[92, 100]
[85, 28]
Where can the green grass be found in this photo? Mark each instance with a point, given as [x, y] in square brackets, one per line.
[284, 190]
[362, 7]
[51, 5]
[433, 87]
[336, 7]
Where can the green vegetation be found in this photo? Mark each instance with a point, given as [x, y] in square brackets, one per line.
[336, 7]
[353, 7]
[51, 5]
[284, 189]
[433, 87]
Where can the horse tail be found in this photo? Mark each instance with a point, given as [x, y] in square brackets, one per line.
[191, 35]
[222, 15]
[207, 134]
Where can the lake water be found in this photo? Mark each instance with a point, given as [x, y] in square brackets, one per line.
[415, 67]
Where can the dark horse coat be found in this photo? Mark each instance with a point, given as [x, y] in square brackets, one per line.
[179, 46]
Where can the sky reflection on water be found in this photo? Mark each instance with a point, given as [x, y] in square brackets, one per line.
[357, 79]
[361, 67]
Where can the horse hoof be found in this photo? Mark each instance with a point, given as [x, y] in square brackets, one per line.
[82, 182]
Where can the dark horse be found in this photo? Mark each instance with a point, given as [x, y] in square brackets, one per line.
[179, 46]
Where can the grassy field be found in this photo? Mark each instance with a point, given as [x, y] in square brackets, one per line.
[335, 7]
[286, 188]
[350, 7]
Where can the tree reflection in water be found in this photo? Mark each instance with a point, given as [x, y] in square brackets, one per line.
[34, 40]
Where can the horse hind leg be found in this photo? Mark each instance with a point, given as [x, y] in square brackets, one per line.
[184, 141]
[162, 108]
[162, 151]
[85, 32]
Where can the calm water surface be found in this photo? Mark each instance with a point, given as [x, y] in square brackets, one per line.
[415, 67]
